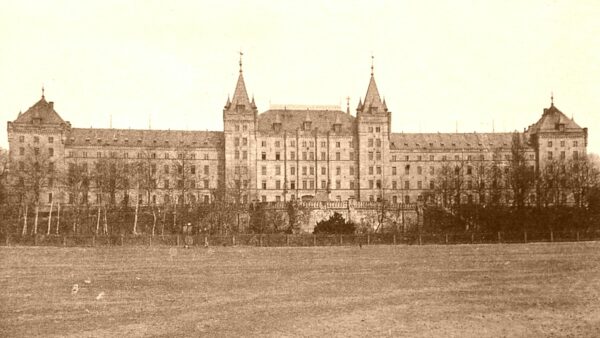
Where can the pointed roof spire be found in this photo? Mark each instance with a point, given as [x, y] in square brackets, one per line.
[42, 91]
[552, 99]
[240, 95]
[348, 104]
[359, 107]
[372, 64]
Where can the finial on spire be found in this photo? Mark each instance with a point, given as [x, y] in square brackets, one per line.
[552, 98]
[241, 54]
[42, 91]
[348, 104]
[372, 64]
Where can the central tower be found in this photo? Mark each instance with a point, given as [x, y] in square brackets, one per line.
[373, 135]
[240, 124]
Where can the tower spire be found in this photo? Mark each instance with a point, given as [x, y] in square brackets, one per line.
[552, 98]
[240, 95]
[42, 91]
[372, 64]
[241, 54]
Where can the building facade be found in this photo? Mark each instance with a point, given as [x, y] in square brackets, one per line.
[286, 153]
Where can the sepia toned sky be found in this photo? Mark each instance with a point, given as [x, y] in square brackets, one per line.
[441, 65]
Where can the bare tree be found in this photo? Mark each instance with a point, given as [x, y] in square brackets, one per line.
[520, 176]
[582, 177]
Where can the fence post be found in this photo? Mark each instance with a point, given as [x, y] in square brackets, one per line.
[577, 236]
[368, 239]
[205, 240]
[446, 238]
[7, 236]
[34, 239]
[93, 240]
[177, 240]
[233, 240]
[499, 240]
[525, 236]
[472, 237]
[122, 235]
[64, 241]
[287, 240]
[394, 239]
[420, 240]
[551, 236]
[314, 240]
[150, 240]
[341, 240]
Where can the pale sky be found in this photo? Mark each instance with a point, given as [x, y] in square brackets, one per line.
[439, 64]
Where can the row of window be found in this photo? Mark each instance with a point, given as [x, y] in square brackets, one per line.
[140, 155]
[153, 168]
[563, 155]
[36, 139]
[36, 151]
[481, 157]
[304, 144]
[562, 143]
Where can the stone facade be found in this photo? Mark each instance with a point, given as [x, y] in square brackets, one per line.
[286, 153]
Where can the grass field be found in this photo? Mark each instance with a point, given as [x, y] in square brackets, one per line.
[430, 291]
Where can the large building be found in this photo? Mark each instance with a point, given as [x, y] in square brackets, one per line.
[285, 153]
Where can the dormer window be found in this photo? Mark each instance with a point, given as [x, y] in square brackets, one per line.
[277, 126]
[560, 127]
[337, 127]
[307, 125]
[240, 107]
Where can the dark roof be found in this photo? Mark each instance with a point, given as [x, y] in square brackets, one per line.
[549, 120]
[458, 141]
[42, 110]
[292, 119]
[146, 138]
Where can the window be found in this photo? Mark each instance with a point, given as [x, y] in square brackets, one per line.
[338, 184]
[574, 143]
[263, 143]
[406, 199]
[21, 151]
[378, 155]
[277, 156]
[323, 156]
[549, 143]
[304, 171]
[166, 184]
[36, 139]
[263, 170]
[323, 171]
[370, 142]
[407, 158]
[167, 156]
[323, 144]
[394, 185]
[236, 154]
[245, 141]
[562, 143]
[206, 184]
[293, 155]
[278, 184]
[206, 170]
[304, 155]
[338, 171]
[407, 169]
[323, 184]
[278, 170]
[352, 156]
[312, 170]
[292, 171]
[419, 185]
[549, 155]
[419, 170]
[378, 142]
[236, 141]
[393, 170]
[244, 155]
[370, 170]
[263, 185]
[575, 155]
[378, 170]
[293, 185]
[378, 184]
[21, 139]
[304, 184]
[351, 184]
[351, 169]
[338, 144]
[193, 169]
[469, 170]
[431, 158]
[406, 185]
[431, 185]
[431, 170]
[263, 155]
[338, 156]
[311, 155]
[370, 184]
[377, 129]
[370, 155]
[50, 139]
[277, 144]
[292, 143]
[562, 155]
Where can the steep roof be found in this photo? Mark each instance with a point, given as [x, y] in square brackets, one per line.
[146, 138]
[551, 118]
[458, 141]
[372, 98]
[240, 95]
[42, 110]
[292, 119]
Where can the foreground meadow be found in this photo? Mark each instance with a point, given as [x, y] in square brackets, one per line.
[414, 291]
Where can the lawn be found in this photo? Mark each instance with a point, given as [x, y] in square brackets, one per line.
[544, 289]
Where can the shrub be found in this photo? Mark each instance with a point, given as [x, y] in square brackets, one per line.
[336, 224]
